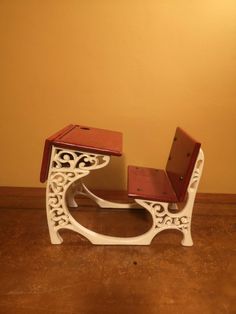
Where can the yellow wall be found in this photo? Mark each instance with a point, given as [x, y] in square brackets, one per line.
[138, 66]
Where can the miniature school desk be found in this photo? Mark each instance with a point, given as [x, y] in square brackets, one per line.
[73, 152]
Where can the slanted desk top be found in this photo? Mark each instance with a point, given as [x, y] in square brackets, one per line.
[77, 137]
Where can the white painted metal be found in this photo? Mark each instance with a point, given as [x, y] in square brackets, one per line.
[69, 166]
[83, 190]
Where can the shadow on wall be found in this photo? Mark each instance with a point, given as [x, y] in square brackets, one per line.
[112, 176]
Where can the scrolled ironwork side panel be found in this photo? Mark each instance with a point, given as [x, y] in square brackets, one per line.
[66, 167]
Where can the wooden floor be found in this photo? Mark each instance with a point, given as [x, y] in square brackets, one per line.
[77, 277]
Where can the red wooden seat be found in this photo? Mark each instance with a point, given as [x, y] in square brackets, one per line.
[150, 184]
[169, 185]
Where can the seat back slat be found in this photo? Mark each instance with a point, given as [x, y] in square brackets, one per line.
[182, 158]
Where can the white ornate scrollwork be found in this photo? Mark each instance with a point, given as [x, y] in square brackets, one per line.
[196, 175]
[57, 186]
[163, 219]
[68, 159]
[180, 223]
[66, 167]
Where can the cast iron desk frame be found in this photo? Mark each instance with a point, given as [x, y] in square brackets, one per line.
[75, 151]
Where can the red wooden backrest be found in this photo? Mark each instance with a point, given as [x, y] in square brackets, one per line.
[183, 155]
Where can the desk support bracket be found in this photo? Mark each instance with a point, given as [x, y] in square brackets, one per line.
[67, 168]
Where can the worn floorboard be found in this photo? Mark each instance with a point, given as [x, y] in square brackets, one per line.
[77, 277]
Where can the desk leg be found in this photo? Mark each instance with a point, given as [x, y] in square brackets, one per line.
[163, 219]
[66, 167]
[57, 212]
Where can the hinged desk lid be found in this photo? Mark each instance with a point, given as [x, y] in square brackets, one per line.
[77, 137]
